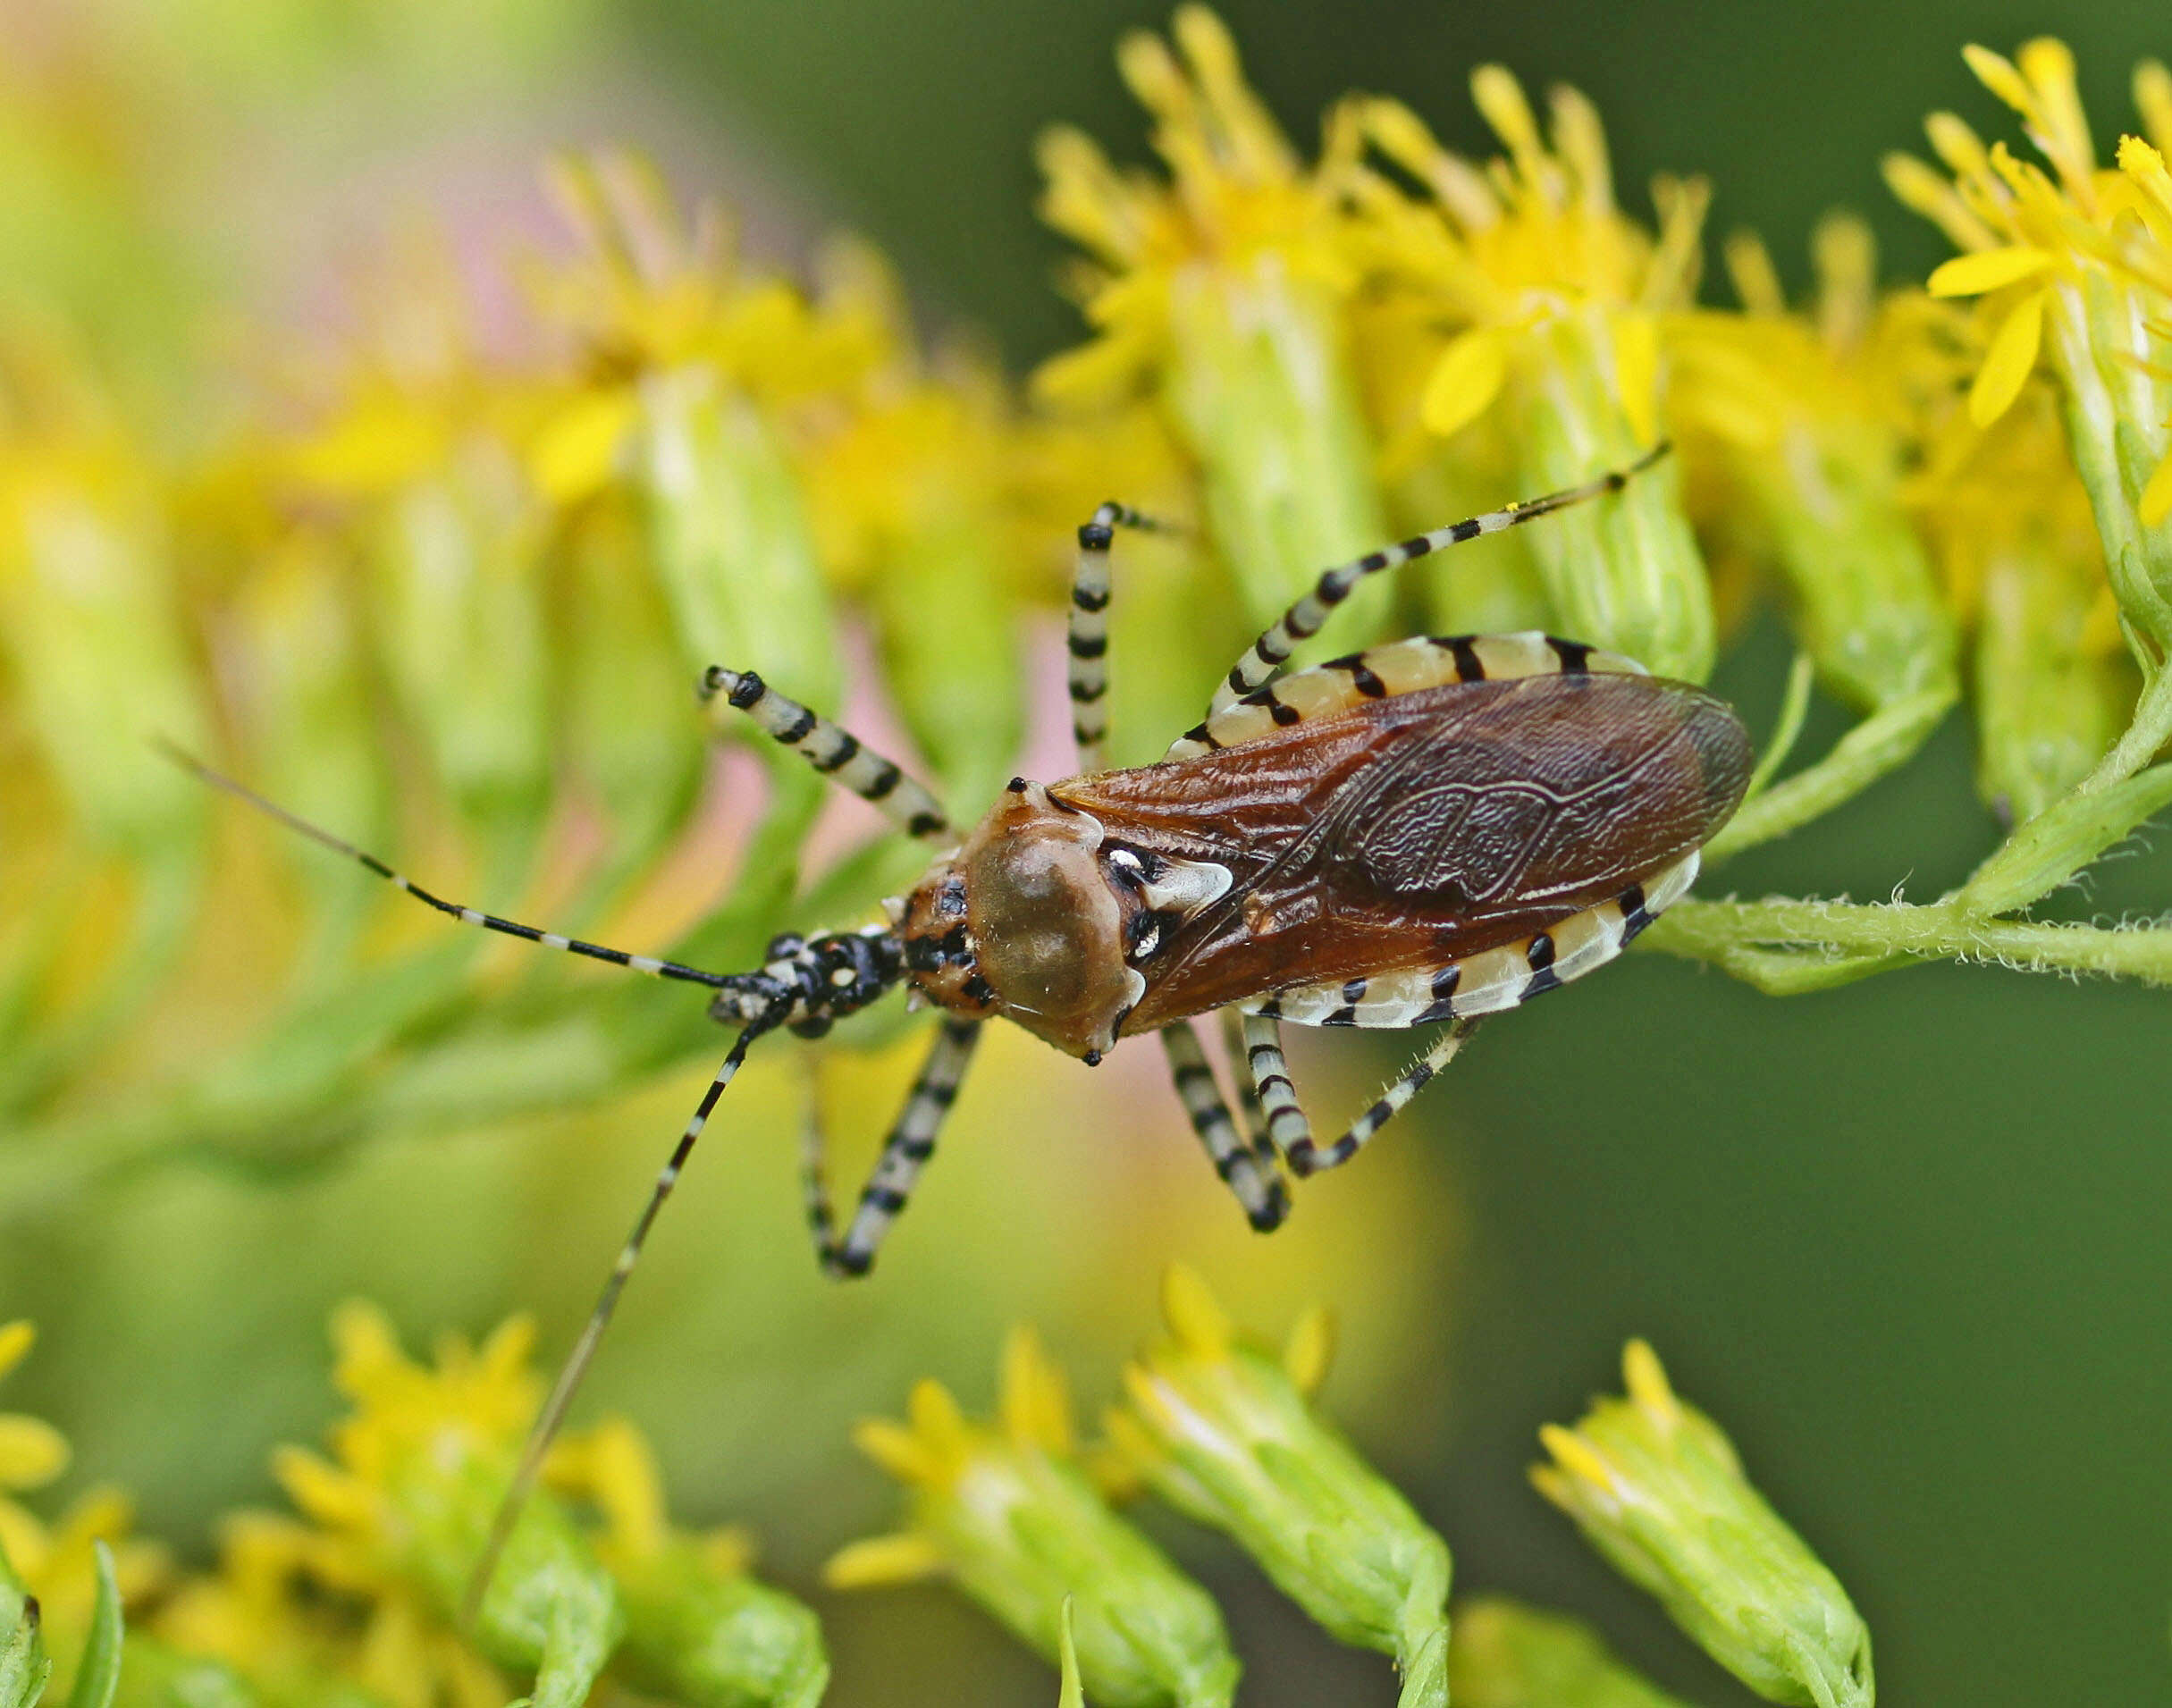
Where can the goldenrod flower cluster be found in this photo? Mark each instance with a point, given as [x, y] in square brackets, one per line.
[355, 1596]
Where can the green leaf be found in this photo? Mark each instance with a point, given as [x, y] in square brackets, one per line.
[99, 1673]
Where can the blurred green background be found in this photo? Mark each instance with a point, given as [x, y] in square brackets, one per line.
[1911, 1241]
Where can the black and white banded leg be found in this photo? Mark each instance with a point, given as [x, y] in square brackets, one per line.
[1287, 1124]
[831, 749]
[1308, 615]
[814, 1168]
[1250, 1110]
[1257, 1185]
[653, 965]
[1088, 640]
[544, 1430]
[905, 1152]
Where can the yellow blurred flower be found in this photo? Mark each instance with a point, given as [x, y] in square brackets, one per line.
[56, 1562]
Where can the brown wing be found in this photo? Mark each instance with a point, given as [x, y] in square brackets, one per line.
[1416, 829]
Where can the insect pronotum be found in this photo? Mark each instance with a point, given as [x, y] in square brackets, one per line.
[1422, 833]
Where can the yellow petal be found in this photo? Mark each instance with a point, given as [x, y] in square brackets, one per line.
[1193, 1314]
[1756, 281]
[32, 1452]
[1637, 373]
[1997, 74]
[1971, 275]
[2153, 101]
[1036, 1404]
[2007, 363]
[2157, 495]
[1647, 1380]
[576, 451]
[1466, 378]
[15, 1338]
[1955, 142]
[1310, 1350]
[322, 1489]
[1500, 98]
[936, 1419]
[1579, 1458]
[883, 1560]
[899, 1451]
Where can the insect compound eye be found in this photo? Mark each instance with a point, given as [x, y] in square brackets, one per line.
[784, 945]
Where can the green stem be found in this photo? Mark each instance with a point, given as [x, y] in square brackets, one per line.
[2145, 737]
[1945, 930]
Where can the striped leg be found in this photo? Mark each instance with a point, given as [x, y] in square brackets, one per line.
[1258, 1185]
[1306, 618]
[1286, 1123]
[1089, 636]
[831, 750]
[1249, 1109]
[648, 964]
[911, 1143]
[814, 1173]
[553, 1413]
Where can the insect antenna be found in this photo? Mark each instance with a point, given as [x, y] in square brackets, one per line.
[760, 1000]
[1309, 614]
[648, 964]
[544, 1430]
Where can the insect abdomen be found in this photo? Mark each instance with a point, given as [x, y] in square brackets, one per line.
[1492, 979]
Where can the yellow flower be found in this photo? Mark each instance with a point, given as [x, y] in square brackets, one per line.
[1239, 203]
[367, 1586]
[1522, 280]
[1657, 1489]
[2078, 261]
[56, 1562]
[1005, 1510]
[32, 1452]
[1221, 296]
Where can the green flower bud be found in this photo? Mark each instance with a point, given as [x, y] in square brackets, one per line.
[1223, 1434]
[1657, 1488]
[1008, 1514]
[700, 1629]
[1625, 573]
[729, 537]
[455, 567]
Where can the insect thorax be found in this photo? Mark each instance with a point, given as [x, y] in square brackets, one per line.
[1039, 918]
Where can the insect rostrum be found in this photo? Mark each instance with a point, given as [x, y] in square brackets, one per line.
[1425, 832]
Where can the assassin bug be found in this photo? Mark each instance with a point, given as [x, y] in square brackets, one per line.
[1425, 832]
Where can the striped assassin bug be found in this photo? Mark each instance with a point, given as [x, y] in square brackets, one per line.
[1425, 832]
